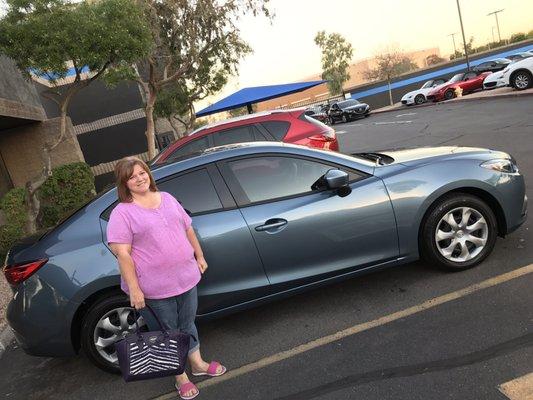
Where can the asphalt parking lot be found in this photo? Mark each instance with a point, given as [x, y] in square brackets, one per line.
[460, 346]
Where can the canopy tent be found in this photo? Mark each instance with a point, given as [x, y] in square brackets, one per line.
[248, 96]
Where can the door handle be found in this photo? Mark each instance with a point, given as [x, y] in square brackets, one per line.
[271, 224]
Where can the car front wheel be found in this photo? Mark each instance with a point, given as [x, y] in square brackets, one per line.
[450, 94]
[344, 118]
[459, 232]
[419, 99]
[522, 80]
[108, 321]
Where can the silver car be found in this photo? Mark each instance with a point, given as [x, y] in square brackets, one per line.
[273, 219]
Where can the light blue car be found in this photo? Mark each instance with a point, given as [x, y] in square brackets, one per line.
[273, 219]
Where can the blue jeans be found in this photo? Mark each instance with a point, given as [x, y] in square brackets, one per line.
[177, 312]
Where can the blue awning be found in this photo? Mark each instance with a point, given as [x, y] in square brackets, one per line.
[251, 95]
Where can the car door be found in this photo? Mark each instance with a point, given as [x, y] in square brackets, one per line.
[471, 82]
[236, 274]
[304, 235]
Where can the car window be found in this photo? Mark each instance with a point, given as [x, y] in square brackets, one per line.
[239, 134]
[199, 144]
[470, 75]
[439, 81]
[278, 129]
[258, 136]
[194, 190]
[272, 177]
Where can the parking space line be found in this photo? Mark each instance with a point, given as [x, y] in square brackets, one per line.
[392, 122]
[519, 388]
[428, 304]
[404, 115]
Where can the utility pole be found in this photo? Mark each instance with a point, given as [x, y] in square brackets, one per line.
[464, 39]
[493, 40]
[497, 24]
[453, 39]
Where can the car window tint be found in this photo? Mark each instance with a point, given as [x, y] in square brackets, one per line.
[258, 136]
[278, 129]
[194, 190]
[470, 75]
[239, 134]
[267, 178]
[197, 145]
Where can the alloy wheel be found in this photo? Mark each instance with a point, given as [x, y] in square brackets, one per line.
[521, 81]
[112, 327]
[461, 234]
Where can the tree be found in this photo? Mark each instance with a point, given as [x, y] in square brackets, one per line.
[42, 36]
[336, 56]
[434, 59]
[186, 33]
[517, 37]
[389, 65]
[176, 101]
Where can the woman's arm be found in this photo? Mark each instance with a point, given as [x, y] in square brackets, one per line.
[202, 264]
[127, 270]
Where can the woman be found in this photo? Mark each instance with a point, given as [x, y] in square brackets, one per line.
[160, 259]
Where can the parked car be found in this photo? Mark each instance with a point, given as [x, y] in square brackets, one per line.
[518, 75]
[494, 81]
[419, 96]
[519, 56]
[467, 81]
[289, 126]
[497, 64]
[317, 113]
[347, 110]
[273, 219]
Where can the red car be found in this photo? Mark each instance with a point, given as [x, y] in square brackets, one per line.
[467, 81]
[289, 126]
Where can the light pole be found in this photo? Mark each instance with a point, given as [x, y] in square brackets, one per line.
[453, 39]
[493, 40]
[497, 24]
[464, 39]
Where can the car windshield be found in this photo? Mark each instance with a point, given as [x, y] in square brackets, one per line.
[456, 78]
[347, 103]
[427, 85]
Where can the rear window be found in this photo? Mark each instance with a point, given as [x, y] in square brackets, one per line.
[278, 129]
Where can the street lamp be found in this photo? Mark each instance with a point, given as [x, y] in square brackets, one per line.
[464, 39]
[497, 24]
[453, 39]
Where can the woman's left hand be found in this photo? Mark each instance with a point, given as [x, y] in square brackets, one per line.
[202, 264]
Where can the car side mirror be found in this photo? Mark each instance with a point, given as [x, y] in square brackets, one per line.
[335, 179]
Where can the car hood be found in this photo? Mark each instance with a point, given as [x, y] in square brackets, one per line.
[425, 154]
[358, 106]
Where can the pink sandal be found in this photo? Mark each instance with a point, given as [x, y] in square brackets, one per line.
[187, 387]
[212, 370]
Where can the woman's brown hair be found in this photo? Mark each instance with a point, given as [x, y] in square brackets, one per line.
[123, 172]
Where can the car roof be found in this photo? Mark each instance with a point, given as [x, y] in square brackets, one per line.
[242, 118]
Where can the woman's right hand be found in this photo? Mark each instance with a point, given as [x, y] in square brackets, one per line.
[137, 299]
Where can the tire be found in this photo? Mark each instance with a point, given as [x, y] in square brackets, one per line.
[443, 253]
[331, 121]
[110, 308]
[449, 94]
[522, 80]
[419, 99]
[344, 118]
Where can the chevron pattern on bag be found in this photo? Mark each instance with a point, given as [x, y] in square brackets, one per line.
[156, 358]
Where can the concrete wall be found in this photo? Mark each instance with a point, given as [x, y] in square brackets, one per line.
[21, 149]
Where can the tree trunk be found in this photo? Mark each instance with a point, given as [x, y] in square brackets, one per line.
[390, 93]
[175, 127]
[150, 126]
[33, 205]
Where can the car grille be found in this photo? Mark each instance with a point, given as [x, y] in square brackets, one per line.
[489, 84]
[404, 101]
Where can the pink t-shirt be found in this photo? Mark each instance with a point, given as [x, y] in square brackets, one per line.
[162, 254]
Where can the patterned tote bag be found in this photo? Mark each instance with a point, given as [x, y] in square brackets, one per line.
[147, 355]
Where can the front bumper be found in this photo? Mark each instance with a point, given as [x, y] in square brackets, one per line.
[408, 101]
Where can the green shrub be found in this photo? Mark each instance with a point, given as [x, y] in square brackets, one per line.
[12, 205]
[517, 37]
[69, 187]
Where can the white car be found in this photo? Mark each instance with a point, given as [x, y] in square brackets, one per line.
[419, 96]
[494, 80]
[519, 75]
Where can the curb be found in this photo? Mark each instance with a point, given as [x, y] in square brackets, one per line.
[456, 100]
[6, 338]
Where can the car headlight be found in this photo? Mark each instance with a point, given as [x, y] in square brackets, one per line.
[501, 165]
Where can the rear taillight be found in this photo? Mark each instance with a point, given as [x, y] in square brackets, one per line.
[18, 273]
[327, 136]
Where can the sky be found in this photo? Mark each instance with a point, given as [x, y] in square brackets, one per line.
[284, 50]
